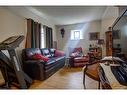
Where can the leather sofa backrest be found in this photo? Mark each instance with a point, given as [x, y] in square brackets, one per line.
[52, 51]
[46, 52]
[29, 52]
[79, 49]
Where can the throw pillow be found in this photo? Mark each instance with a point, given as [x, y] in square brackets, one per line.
[46, 53]
[40, 57]
[75, 54]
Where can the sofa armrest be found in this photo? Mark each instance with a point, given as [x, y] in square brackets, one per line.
[34, 68]
[86, 55]
[59, 53]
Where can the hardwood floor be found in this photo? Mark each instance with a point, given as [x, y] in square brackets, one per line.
[65, 78]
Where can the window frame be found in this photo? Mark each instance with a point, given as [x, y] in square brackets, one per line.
[42, 38]
[73, 35]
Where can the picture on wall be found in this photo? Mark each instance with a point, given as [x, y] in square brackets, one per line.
[94, 35]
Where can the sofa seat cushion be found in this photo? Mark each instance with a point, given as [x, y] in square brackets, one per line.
[81, 59]
[50, 61]
[53, 62]
[58, 58]
[40, 57]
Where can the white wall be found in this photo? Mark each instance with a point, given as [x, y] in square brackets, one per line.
[105, 24]
[29, 12]
[107, 21]
[10, 25]
[86, 28]
[109, 16]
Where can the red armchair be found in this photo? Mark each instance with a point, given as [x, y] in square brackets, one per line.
[77, 58]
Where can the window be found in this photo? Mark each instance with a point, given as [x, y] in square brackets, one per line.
[76, 35]
[42, 38]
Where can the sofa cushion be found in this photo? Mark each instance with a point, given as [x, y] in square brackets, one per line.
[50, 61]
[52, 51]
[40, 57]
[29, 52]
[50, 64]
[46, 52]
[58, 58]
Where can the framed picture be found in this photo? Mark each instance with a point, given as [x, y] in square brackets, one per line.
[116, 34]
[94, 36]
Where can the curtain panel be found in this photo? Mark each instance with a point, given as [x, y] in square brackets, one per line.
[33, 37]
[49, 36]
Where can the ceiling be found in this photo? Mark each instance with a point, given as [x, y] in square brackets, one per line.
[62, 15]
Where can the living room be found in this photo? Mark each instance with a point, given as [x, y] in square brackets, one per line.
[91, 22]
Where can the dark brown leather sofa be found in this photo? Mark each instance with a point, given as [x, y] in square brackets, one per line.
[38, 69]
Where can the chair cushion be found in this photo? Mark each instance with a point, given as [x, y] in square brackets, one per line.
[76, 54]
[40, 57]
[81, 59]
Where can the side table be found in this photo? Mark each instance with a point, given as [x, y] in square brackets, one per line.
[67, 64]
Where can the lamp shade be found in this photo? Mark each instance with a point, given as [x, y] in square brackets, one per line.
[100, 41]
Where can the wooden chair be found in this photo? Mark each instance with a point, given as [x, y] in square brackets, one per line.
[91, 70]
